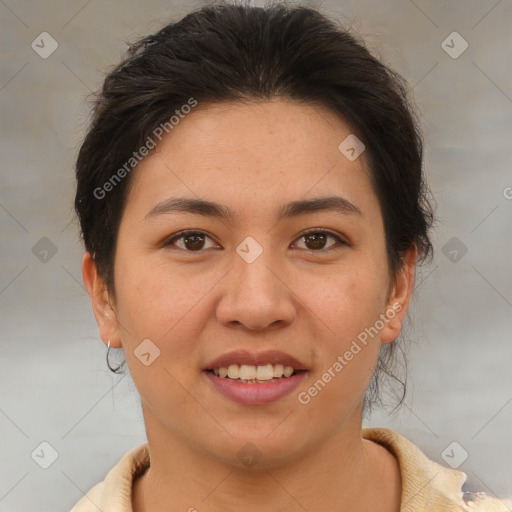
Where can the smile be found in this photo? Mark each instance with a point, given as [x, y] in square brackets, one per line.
[252, 374]
[254, 391]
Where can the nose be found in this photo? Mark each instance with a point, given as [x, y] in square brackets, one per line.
[256, 295]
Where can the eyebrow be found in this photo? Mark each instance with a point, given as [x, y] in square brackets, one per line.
[289, 210]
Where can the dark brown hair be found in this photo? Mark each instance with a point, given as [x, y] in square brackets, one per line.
[225, 52]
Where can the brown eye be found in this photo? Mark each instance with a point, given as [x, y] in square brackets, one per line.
[316, 240]
[192, 241]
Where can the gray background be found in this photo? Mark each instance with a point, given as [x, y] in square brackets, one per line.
[55, 385]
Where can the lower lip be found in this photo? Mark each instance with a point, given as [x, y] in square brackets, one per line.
[255, 394]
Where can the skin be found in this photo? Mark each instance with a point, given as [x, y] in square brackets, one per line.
[308, 300]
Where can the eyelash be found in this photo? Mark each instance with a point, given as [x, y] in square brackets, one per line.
[339, 240]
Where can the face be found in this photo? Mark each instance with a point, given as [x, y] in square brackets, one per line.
[281, 280]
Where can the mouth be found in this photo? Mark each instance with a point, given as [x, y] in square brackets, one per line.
[255, 378]
[252, 374]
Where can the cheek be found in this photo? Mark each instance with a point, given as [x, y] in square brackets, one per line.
[345, 301]
[345, 354]
[164, 306]
[158, 298]
[169, 305]
[346, 305]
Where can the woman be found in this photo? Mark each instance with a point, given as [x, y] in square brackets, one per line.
[252, 205]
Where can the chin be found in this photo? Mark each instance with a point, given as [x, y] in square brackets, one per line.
[254, 448]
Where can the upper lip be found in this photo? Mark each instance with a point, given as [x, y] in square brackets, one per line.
[256, 359]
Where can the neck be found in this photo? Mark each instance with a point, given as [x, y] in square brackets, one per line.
[344, 471]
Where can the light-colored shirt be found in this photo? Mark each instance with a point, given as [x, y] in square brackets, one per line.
[426, 485]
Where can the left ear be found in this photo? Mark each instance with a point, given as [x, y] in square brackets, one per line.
[399, 297]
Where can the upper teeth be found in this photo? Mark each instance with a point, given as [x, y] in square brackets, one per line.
[249, 372]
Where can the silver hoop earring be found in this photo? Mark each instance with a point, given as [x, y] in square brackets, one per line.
[113, 370]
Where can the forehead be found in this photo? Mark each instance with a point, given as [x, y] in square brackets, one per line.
[264, 151]
[261, 130]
